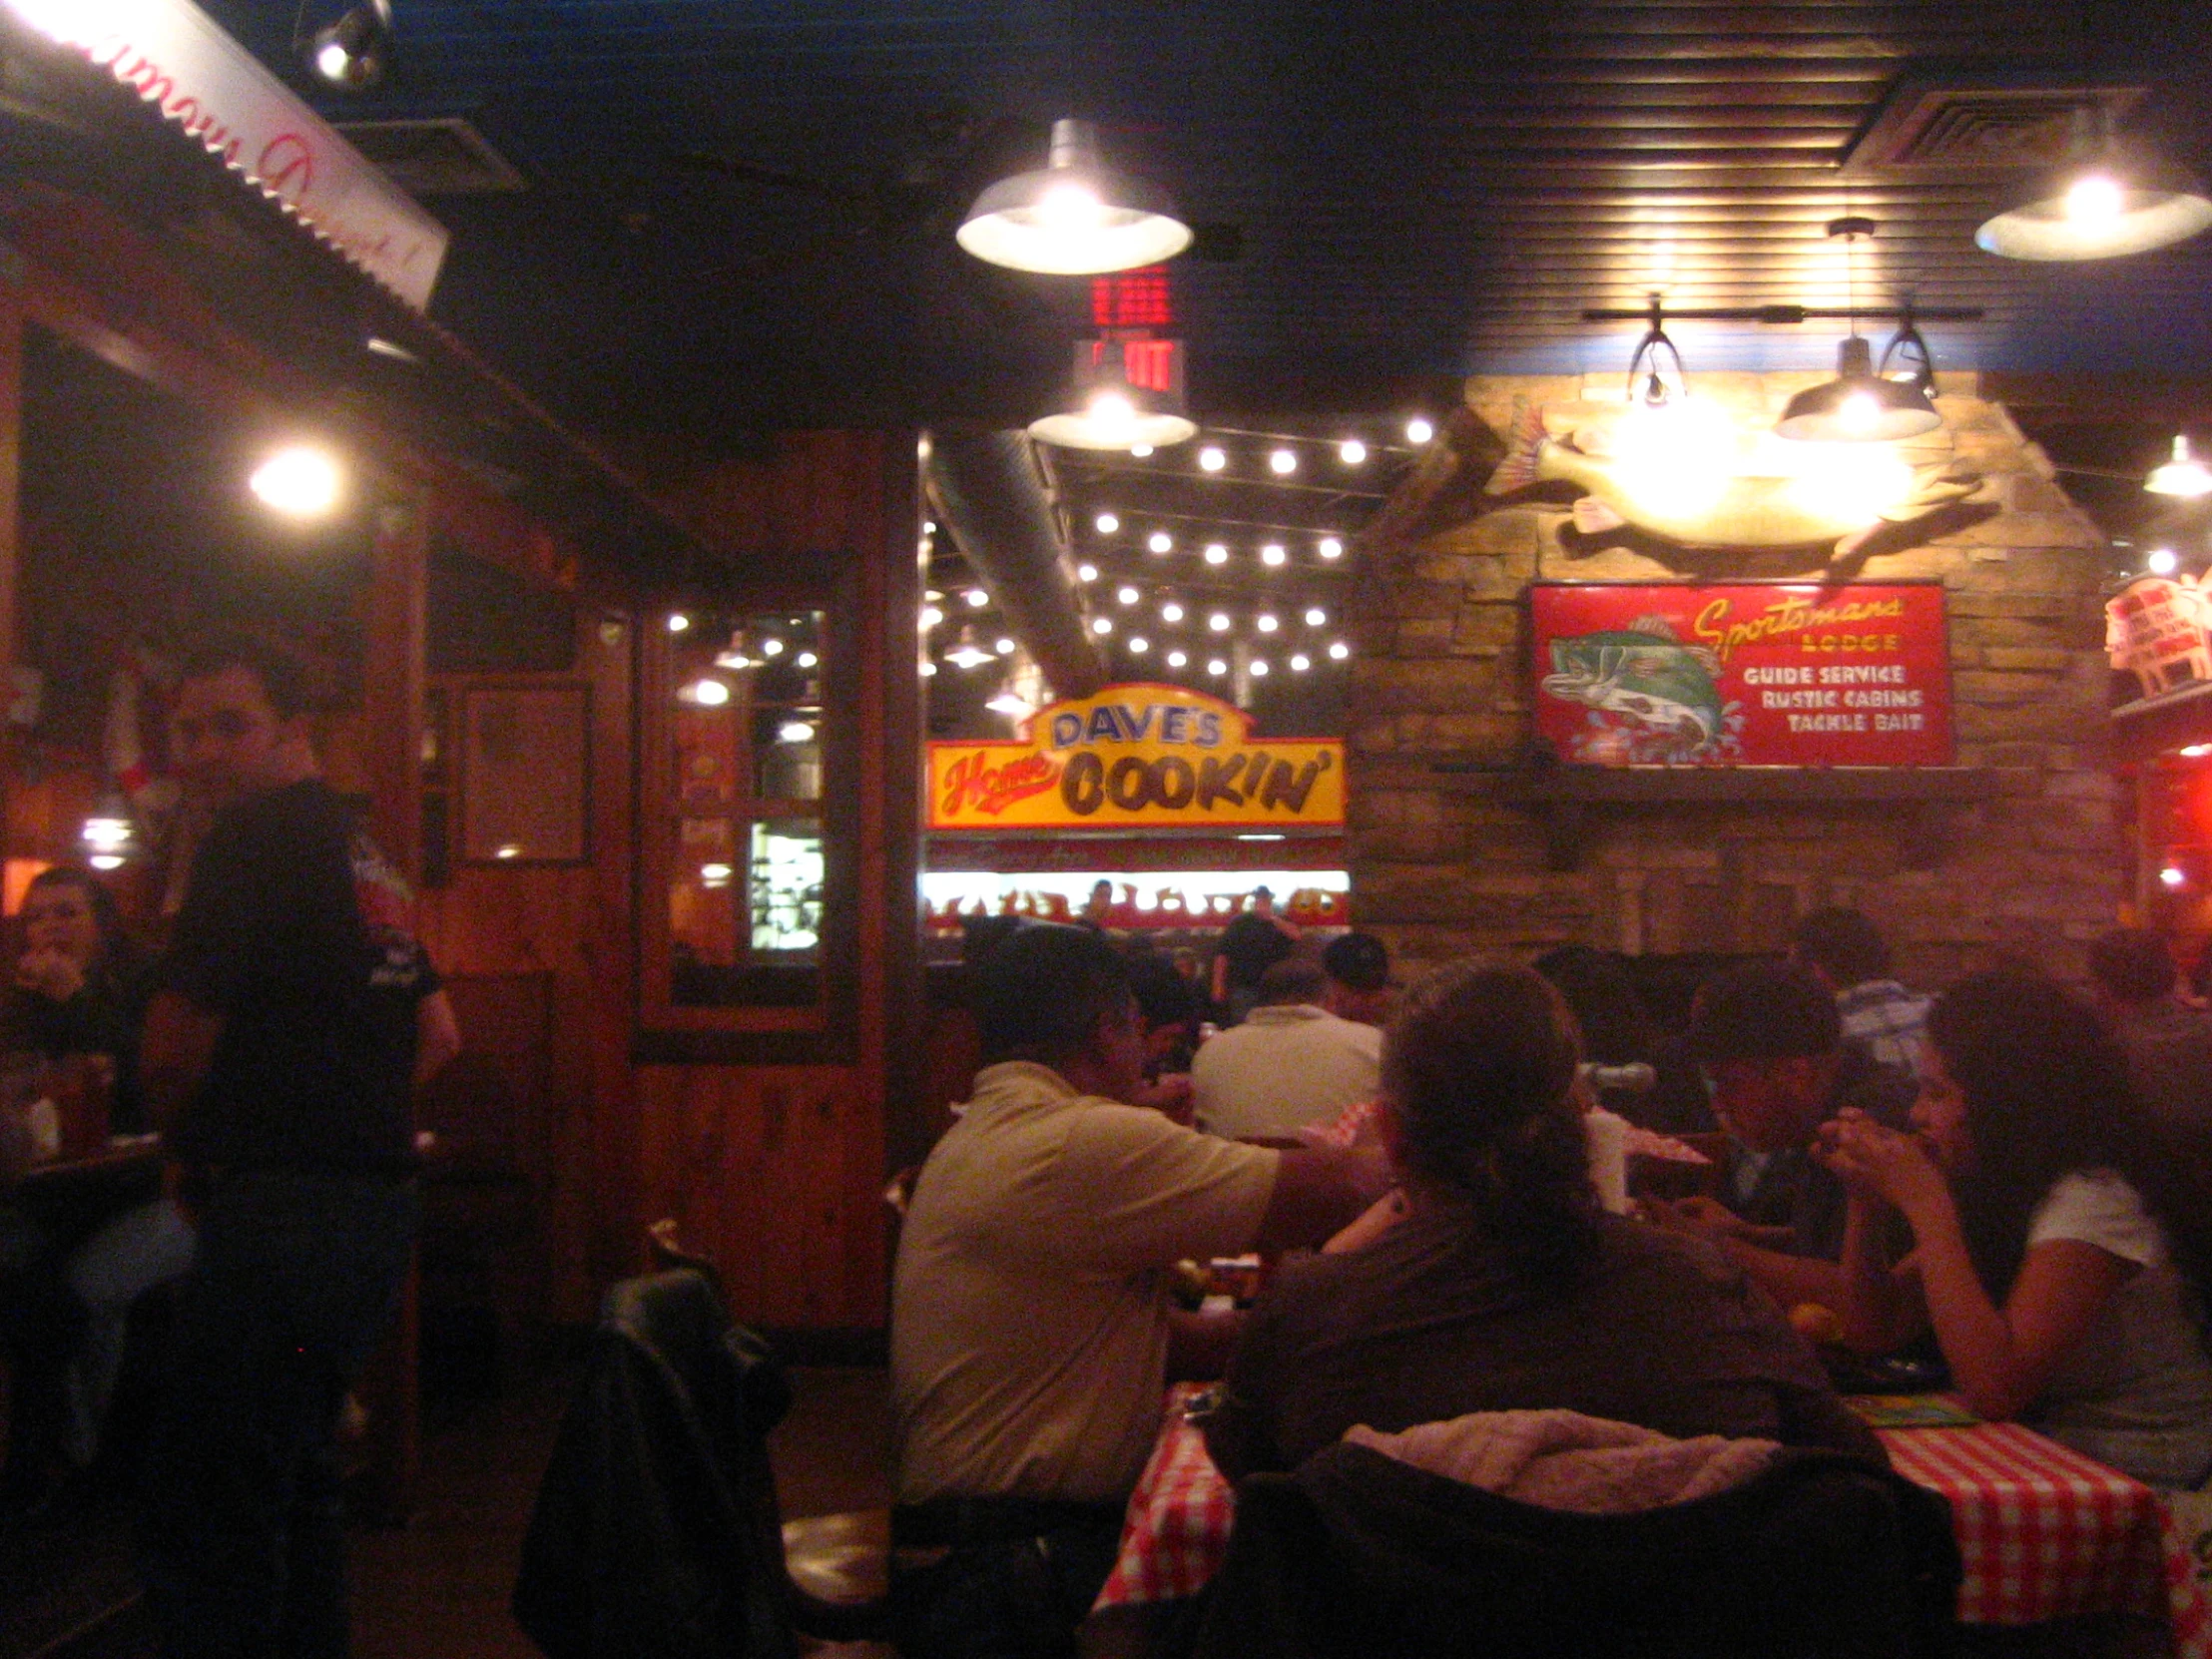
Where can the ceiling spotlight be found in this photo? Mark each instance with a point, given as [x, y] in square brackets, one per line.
[807, 658]
[1212, 459]
[1216, 667]
[1127, 595]
[1273, 554]
[1127, 392]
[1282, 463]
[1075, 217]
[1338, 651]
[1352, 452]
[1418, 430]
[1218, 622]
[1330, 548]
[1161, 542]
[1215, 554]
[1301, 663]
[771, 647]
[353, 53]
[1258, 667]
[2104, 202]
[2161, 561]
[1102, 624]
[1177, 658]
[678, 622]
[1106, 523]
[1266, 623]
[710, 694]
[794, 731]
[1004, 647]
[1317, 617]
[298, 480]
[1086, 572]
[2183, 475]
[2171, 876]
[978, 599]
[1171, 612]
[967, 654]
[1139, 644]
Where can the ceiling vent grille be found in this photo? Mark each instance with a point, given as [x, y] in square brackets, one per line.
[442, 157]
[1930, 129]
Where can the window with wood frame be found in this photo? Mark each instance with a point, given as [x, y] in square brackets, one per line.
[746, 911]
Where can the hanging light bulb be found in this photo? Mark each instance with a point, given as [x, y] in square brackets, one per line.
[2103, 202]
[1074, 218]
[353, 53]
[1352, 452]
[2183, 475]
[967, 654]
[2161, 561]
[1171, 612]
[1860, 405]
[1273, 554]
[1161, 542]
[1330, 548]
[1215, 554]
[1127, 392]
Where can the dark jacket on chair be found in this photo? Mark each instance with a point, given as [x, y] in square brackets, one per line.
[1359, 1554]
[655, 1533]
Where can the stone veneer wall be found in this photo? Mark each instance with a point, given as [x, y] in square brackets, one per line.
[1441, 676]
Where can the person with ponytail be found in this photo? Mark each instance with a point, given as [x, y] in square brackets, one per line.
[2053, 1258]
[1500, 1283]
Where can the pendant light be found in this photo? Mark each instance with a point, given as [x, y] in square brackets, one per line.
[1075, 216]
[2183, 475]
[1645, 367]
[2102, 204]
[1127, 394]
[1861, 405]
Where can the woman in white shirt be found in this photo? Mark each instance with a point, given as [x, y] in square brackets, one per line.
[2060, 1288]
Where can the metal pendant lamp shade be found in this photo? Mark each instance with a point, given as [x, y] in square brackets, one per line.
[2183, 475]
[2105, 202]
[1859, 407]
[1074, 218]
[1127, 394]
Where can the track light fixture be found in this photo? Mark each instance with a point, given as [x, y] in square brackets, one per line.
[353, 53]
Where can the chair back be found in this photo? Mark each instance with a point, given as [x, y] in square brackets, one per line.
[1821, 1557]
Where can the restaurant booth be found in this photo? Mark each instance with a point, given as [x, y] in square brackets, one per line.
[643, 732]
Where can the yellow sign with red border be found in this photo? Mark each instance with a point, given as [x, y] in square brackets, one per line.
[1138, 756]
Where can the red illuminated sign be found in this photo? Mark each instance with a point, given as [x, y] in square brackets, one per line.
[1756, 674]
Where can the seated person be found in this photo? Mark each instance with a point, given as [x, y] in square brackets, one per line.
[1290, 1065]
[1503, 1286]
[1168, 1009]
[1772, 1047]
[1847, 951]
[1033, 1329]
[2167, 1043]
[1360, 988]
[2048, 1259]
[80, 989]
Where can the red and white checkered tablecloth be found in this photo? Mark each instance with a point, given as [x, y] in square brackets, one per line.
[2048, 1534]
[2044, 1531]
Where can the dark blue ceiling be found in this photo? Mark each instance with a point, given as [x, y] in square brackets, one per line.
[741, 213]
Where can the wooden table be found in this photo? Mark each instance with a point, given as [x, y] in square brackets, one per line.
[2045, 1532]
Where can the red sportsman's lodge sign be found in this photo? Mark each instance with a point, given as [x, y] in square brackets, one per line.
[1752, 673]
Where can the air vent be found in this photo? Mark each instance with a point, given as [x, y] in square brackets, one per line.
[446, 157]
[1930, 129]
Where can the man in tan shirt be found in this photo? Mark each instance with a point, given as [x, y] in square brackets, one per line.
[1032, 1334]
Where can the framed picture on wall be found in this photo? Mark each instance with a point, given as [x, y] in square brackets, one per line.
[526, 772]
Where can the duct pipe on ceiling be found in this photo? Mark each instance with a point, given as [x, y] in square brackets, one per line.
[994, 503]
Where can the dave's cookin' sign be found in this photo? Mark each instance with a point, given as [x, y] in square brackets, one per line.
[1154, 756]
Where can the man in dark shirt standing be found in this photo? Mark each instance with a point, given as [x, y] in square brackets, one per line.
[1254, 941]
[294, 1014]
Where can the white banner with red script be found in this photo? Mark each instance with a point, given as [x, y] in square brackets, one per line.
[211, 88]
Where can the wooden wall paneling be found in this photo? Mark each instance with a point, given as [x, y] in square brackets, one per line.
[392, 675]
[11, 472]
[601, 1131]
